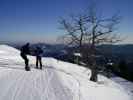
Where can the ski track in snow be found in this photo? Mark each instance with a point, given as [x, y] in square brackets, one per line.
[45, 70]
[36, 83]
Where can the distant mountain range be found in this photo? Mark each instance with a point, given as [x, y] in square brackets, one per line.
[124, 52]
[59, 50]
[119, 49]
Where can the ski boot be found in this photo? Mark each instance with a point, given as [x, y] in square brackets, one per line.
[27, 68]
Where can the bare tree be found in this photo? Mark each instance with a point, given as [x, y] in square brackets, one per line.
[91, 29]
[76, 30]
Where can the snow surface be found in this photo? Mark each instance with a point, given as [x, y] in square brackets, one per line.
[57, 81]
[127, 85]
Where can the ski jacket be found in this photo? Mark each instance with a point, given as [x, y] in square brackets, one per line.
[25, 49]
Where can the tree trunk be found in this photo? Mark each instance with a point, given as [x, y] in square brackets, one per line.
[94, 71]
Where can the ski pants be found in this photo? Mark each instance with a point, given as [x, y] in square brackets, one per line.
[38, 60]
[25, 59]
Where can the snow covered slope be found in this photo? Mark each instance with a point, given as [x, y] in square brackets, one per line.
[57, 81]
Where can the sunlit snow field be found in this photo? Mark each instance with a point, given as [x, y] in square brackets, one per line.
[57, 81]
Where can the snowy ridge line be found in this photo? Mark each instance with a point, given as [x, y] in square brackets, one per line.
[9, 48]
[60, 81]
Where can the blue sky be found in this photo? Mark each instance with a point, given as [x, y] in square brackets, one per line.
[37, 20]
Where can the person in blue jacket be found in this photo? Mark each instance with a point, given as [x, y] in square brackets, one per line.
[39, 53]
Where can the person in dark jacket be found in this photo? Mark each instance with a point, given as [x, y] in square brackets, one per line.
[38, 53]
[24, 52]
